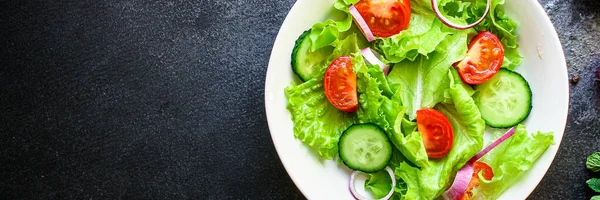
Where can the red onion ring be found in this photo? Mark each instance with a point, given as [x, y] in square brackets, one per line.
[464, 175]
[361, 197]
[446, 21]
[362, 24]
[373, 59]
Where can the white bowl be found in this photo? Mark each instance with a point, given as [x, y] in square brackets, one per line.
[543, 66]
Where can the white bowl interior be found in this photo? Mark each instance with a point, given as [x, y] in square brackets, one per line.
[544, 67]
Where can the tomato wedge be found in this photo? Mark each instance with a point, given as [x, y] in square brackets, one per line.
[484, 58]
[486, 172]
[340, 85]
[436, 132]
[385, 17]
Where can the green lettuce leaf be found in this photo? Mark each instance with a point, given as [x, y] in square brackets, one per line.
[425, 79]
[323, 34]
[317, 123]
[379, 183]
[412, 179]
[431, 181]
[511, 159]
[455, 79]
[597, 197]
[423, 34]
[406, 174]
[327, 33]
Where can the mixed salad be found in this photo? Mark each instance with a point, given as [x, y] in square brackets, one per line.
[403, 90]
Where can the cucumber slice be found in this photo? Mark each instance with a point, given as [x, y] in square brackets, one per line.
[307, 64]
[505, 100]
[365, 147]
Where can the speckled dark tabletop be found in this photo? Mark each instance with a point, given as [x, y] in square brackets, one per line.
[137, 99]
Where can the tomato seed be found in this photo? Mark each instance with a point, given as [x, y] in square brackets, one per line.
[495, 51]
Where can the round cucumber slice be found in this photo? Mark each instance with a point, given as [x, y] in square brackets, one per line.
[365, 147]
[505, 100]
[306, 63]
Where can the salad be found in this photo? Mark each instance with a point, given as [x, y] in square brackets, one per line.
[403, 90]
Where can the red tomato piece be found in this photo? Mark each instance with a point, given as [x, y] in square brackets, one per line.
[340, 85]
[483, 60]
[436, 132]
[385, 17]
[486, 172]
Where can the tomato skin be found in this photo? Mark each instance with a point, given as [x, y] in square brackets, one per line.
[486, 172]
[340, 85]
[484, 58]
[385, 17]
[436, 132]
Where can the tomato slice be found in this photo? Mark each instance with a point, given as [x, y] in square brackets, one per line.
[436, 132]
[483, 60]
[385, 17]
[486, 172]
[340, 85]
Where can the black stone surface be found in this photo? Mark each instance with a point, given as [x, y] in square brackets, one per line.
[139, 99]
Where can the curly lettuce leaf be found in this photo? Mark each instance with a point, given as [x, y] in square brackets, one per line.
[379, 183]
[327, 33]
[378, 107]
[411, 178]
[424, 33]
[511, 159]
[317, 123]
[425, 79]
[323, 34]
[405, 174]
[431, 181]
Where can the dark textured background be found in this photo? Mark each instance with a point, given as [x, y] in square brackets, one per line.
[136, 99]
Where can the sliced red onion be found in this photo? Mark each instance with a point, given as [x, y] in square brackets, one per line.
[459, 186]
[446, 21]
[362, 24]
[361, 197]
[373, 59]
[464, 175]
[494, 144]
